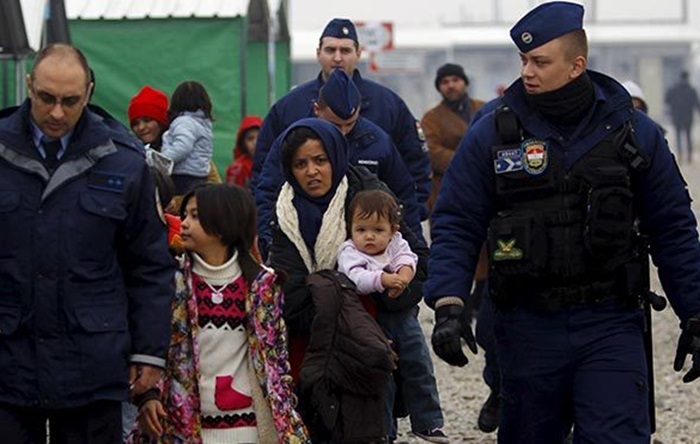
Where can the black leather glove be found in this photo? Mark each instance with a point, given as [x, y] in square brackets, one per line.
[451, 326]
[689, 344]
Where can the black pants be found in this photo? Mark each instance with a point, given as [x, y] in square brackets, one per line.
[184, 183]
[687, 131]
[97, 423]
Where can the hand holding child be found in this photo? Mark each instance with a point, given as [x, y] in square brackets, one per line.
[397, 282]
[150, 414]
[394, 284]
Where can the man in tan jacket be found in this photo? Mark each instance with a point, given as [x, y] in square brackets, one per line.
[445, 124]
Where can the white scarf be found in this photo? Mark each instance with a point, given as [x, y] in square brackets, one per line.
[331, 234]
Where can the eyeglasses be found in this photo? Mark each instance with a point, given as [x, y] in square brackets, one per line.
[50, 100]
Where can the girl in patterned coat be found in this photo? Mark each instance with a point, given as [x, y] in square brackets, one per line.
[227, 377]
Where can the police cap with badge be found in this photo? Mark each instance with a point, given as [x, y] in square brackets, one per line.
[340, 94]
[340, 28]
[545, 23]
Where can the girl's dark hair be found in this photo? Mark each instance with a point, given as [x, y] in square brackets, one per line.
[189, 96]
[370, 202]
[296, 138]
[228, 211]
[164, 186]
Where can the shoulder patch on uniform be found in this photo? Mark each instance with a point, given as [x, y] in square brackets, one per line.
[105, 181]
[534, 156]
[508, 160]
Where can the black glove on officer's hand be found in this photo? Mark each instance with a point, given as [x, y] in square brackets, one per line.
[689, 344]
[451, 326]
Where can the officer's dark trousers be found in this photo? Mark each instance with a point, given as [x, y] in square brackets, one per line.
[584, 366]
[96, 423]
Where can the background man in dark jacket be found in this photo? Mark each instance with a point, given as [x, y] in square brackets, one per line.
[682, 100]
[85, 274]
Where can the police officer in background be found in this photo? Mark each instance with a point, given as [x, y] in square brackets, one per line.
[568, 183]
[339, 49]
[339, 102]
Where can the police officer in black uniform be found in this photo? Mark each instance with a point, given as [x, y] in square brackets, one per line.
[568, 184]
[338, 48]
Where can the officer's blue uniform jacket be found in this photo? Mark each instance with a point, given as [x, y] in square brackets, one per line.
[86, 280]
[465, 206]
[379, 104]
[371, 148]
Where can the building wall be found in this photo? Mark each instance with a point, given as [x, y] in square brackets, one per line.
[653, 67]
[649, 43]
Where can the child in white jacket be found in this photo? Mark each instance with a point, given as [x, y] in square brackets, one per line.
[189, 142]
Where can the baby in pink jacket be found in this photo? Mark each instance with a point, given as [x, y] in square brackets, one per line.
[376, 257]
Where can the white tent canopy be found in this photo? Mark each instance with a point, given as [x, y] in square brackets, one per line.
[139, 9]
[35, 11]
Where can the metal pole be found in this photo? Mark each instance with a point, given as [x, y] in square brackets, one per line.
[271, 59]
[5, 84]
[243, 67]
[20, 83]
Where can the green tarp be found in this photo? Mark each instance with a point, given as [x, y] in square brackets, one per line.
[257, 79]
[283, 72]
[127, 54]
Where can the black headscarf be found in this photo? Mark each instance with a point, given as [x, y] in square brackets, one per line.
[311, 209]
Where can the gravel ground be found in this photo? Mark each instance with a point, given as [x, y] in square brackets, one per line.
[462, 390]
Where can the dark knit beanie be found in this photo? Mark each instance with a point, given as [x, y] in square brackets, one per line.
[450, 69]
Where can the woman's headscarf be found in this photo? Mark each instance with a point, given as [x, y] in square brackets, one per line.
[310, 210]
[335, 144]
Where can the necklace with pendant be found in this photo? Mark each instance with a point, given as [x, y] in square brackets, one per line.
[217, 296]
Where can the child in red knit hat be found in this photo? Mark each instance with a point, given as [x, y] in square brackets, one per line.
[148, 116]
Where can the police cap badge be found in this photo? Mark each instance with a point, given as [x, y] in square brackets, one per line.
[546, 22]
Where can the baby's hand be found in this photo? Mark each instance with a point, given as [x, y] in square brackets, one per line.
[391, 280]
[394, 293]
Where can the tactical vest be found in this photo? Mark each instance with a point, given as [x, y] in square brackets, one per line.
[564, 236]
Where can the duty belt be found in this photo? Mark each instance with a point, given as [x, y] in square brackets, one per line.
[558, 298]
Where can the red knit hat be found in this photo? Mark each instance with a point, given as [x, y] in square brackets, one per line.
[149, 102]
